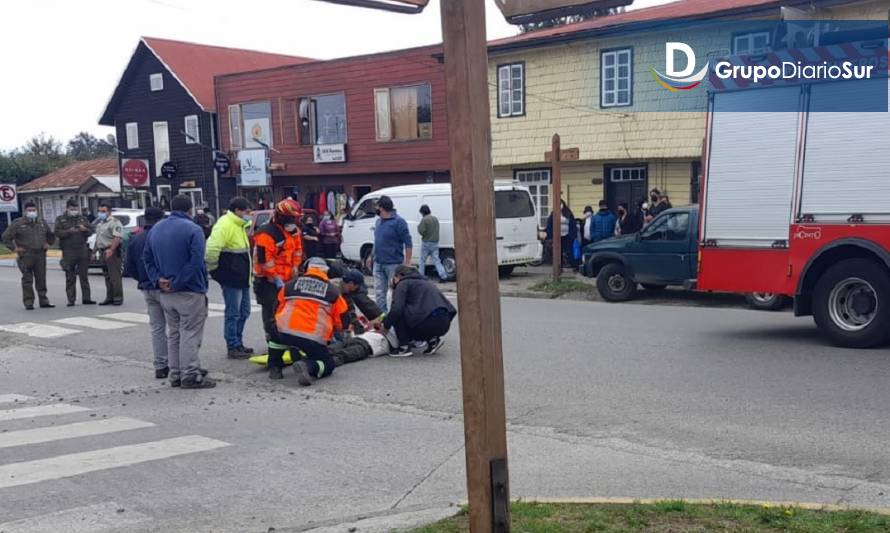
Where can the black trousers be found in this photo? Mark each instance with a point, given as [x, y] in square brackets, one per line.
[319, 359]
[267, 296]
[431, 327]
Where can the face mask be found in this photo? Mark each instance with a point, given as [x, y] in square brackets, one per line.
[31, 214]
[102, 216]
[290, 228]
[73, 212]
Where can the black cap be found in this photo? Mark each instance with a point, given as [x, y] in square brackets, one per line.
[354, 276]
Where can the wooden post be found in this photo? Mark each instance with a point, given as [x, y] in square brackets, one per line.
[556, 209]
[466, 76]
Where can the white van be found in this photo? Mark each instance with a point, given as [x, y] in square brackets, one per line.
[517, 224]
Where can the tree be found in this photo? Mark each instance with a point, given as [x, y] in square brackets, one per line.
[85, 146]
[569, 19]
[40, 155]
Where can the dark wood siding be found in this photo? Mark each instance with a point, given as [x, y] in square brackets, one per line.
[171, 105]
[357, 78]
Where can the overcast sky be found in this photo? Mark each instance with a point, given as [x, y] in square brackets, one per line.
[61, 59]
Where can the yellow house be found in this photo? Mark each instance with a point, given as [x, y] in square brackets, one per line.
[592, 83]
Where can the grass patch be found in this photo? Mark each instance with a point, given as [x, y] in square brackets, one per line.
[675, 516]
[4, 250]
[558, 288]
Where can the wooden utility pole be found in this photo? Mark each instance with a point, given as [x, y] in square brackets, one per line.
[482, 367]
[556, 209]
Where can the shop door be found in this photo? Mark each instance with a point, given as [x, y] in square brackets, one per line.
[628, 185]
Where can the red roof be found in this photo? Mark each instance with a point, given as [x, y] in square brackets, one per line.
[195, 65]
[73, 175]
[682, 9]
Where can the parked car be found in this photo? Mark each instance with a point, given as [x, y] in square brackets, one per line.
[664, 253]
[131, 219]
[516, 224]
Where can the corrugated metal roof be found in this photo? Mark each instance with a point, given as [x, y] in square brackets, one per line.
[73, 175]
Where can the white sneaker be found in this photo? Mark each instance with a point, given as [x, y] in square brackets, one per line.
[419, 347]
[401, 351]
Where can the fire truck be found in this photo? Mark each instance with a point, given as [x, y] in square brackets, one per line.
[797, 202]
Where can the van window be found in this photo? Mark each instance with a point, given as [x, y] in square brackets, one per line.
[367, 209]
[513, 204]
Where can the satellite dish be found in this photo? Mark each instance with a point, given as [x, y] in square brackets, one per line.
[399, 6]
[527, 11]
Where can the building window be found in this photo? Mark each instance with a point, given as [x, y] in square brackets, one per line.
[754, 43]
[162, 145]
[195, 195]
[538, 184]
[404, 113]
[192, 132]
[235, 127]
[511, 90]
[156, 81]
[619, 174]
[257, 121]
[616, 69]
[165, 193]
[132, 129]
[323, 119]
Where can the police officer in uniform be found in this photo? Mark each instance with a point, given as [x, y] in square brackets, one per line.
[109, 237]
[72, 230]
[30, 236]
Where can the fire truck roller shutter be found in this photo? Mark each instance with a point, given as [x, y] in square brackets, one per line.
[847, 163]
[751, 168]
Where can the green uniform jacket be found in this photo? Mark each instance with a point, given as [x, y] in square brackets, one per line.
[429, 229]
[67, 230]
[32, 235]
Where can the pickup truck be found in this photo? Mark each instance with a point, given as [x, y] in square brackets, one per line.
[664, 253]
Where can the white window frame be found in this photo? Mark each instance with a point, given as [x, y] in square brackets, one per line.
[165, 188]
[508, 104]
[197, 134]
[190, 192]
[132, 135]
[625, 174]
[749, 37]
[235, 139]
[534, 179]
[158, 154]
[617, 56]
[156, 82]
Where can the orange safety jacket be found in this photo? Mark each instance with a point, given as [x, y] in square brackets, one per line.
[310, 307]
[276, 253]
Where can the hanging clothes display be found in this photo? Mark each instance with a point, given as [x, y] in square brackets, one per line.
[332, 202]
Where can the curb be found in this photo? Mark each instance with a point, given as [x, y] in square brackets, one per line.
[385, 523]
[809, 506]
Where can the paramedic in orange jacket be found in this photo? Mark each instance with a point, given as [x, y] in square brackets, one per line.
[277, 254]
[309, 313]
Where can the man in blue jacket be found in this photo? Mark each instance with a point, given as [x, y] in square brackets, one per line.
[174, 260]
[603, 224]
[135, 268]
[392, 247]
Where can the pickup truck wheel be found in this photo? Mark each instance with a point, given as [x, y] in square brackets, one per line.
[613, 283]
[851, 304]
[653, 286]
[766, 301]
[446, 255]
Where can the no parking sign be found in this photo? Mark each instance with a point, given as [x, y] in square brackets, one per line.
[9, 201]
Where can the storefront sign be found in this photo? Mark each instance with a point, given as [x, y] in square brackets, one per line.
[9, 202]
[221, 163]
[134, 172]
[253, 168]
[330, 153]
[168, 170]
[257, 129]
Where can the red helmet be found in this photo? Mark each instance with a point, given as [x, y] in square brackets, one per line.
[289, 207]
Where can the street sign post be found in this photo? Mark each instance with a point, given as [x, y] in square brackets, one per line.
[9, 201]
[221, 163]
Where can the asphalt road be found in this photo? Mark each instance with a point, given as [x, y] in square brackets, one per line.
[603, 400]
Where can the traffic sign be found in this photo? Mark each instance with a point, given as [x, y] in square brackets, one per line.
[9, 202]
[134, 172]
[168, 170]
[221, 162]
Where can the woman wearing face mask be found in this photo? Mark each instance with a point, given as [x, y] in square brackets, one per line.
[330, 236]
[311, 237]
[277, 255]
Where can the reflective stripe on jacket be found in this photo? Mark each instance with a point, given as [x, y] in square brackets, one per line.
[310, 307]
[276, 253]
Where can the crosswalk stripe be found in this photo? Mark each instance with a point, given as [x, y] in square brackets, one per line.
[94, 323]
[42, 331]
[138, 318]
[70, 431]
[62, 466]
[212, 314]
[40, 410]
[254, 308]
[100, 517]
[12, 398]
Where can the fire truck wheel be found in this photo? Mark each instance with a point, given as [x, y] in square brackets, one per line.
[613, 283]
[851, 304]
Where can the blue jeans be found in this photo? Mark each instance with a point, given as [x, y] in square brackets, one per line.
[431, 249]
[382, 276]
[237, 311]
